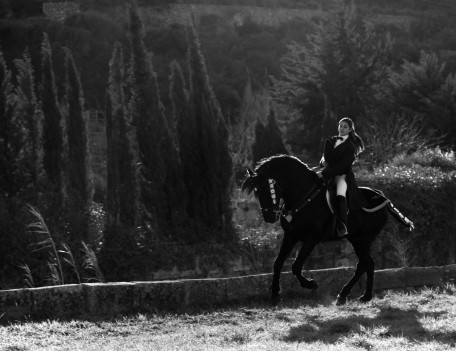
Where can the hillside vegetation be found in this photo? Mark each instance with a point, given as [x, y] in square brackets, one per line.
[132, 133]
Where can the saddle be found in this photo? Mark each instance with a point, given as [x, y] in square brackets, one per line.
[375, 199]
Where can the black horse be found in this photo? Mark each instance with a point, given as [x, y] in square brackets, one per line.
[288, 190]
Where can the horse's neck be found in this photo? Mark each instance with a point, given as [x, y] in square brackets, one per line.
[297, 189]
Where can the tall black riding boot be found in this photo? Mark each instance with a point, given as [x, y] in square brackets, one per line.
[341, 208]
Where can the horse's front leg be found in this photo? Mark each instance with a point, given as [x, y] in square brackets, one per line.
[288, 243]
[296, 268]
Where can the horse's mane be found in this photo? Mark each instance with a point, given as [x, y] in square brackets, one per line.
[276, 167]
[281, 162]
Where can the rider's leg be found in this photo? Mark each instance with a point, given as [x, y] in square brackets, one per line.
[341, 205]
[341, 185]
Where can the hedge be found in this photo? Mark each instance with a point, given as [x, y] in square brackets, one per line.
[426, 195]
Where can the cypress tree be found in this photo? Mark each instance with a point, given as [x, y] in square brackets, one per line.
[260, 146]
[80, 189]
[180, 104]
[120, 243]
[11, 136]
[159, 178]
[12, 140]
[268, 139]
[32, 117]
[79, 167]
[53, 140]
[187, 140]
[275, 135]
[121, 197]
[112, 176]
[203, 139]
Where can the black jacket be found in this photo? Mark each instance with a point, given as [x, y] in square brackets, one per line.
[339, 161]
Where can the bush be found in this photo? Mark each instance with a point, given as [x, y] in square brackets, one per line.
[385, 138]
[429, 157]
[422, 186]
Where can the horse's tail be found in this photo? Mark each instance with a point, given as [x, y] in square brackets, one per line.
[399, 216]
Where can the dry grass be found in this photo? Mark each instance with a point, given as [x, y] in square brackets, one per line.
[414, 320]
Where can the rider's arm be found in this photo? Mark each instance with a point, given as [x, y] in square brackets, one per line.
[323, 163]
[341, 166]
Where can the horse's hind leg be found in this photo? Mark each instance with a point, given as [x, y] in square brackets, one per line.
[365, 265]
[342, 296]
[370, 268]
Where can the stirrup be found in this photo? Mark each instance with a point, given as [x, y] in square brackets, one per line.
[341, 229]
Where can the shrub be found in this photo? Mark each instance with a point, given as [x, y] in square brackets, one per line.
[428, 157]
[397, 135]
[421, 186]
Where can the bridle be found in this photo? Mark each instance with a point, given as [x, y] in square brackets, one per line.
[275, 192]
[278, 205]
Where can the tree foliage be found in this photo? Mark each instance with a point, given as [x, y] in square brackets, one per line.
[203, 145]
[121, 196]
[268, 139]
[332, 76]
[78, 166]
[160, 181]
[255, 106]
[32, 118]
[423, 90]
[169, 153]
[120, 244]
[12, 138]
[53, 146]
[15, 186]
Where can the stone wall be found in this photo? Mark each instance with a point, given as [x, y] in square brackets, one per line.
[60, 10]
[235, 14]
[112, 299]
[183, 13]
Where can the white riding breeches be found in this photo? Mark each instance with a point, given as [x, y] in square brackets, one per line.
[341, 185]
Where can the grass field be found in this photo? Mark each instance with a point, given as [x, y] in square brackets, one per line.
[406, 320]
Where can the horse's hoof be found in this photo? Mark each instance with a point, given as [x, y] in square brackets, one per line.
[275, 300]
[313, 284]
[341, 300]
[309, 284]
[365, 298]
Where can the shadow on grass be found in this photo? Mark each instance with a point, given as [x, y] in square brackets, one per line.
[389, 322]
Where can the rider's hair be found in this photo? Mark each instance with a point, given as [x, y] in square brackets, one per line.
[355, 138]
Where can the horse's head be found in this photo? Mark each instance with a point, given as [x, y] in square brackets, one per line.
[277, 180]
[268, 192]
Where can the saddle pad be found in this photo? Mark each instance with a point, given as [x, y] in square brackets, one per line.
[375, 199]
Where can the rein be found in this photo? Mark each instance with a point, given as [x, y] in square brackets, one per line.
[277, 206]
[306, 200]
